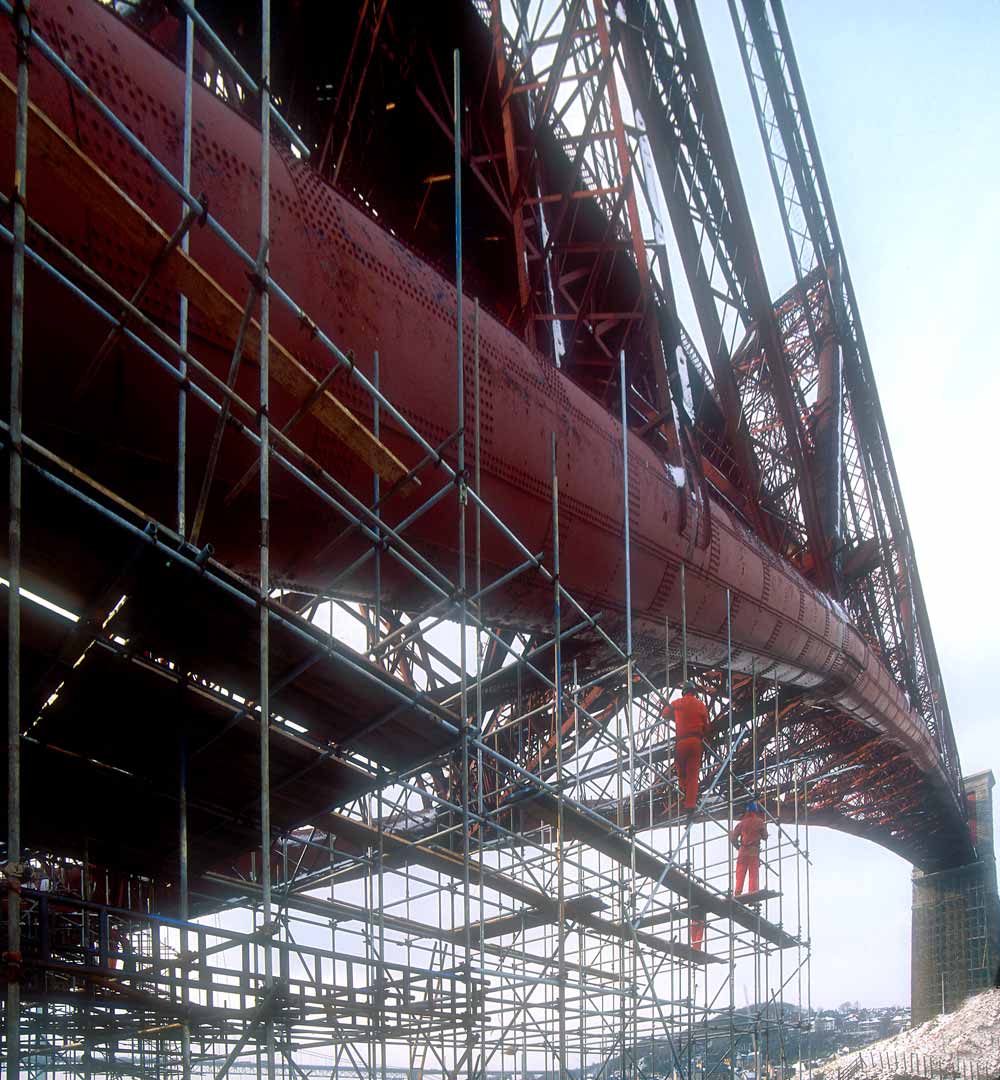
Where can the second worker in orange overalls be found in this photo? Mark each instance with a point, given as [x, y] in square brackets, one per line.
[746, 835]
[690, 728]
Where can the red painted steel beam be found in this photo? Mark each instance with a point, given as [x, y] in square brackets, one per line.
[513, 176]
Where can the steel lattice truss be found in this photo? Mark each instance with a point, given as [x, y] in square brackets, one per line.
[596, 136]
[597, 147]
[784, 416]
[886, 598]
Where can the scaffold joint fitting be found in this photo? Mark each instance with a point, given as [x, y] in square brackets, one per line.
[258, 281]
[13, 874]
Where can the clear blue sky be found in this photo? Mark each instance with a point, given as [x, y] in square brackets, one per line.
[905, 98]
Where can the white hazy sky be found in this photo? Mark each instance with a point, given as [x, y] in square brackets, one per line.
[905, 98]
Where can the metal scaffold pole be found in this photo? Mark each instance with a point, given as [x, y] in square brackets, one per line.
[265, 539]
[376, 633]
[628, 905]
[183, 888]
[461, 490]
[557, 715]
[729, 812]
[182, 330]
[182, 403]
[15, 450]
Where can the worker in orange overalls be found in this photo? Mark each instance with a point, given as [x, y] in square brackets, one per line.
[690, 729]
[746, 836]
[696, 928]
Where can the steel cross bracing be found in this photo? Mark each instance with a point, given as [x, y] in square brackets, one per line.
[670, 79]
[588, 270]
[856, 781]
[800, 449]
[568, 61]
[878, 574]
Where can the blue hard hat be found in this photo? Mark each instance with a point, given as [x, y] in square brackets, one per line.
[753, 806]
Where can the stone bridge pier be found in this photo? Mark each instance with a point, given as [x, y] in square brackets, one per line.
[956, 918]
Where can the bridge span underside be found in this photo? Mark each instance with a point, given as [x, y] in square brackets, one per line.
[871, 762]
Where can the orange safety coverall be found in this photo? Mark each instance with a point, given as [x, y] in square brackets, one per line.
[691, 726]
[696, 929]
[749, 831]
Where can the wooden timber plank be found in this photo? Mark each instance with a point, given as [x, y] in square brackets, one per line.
[581, 827]
[340, 909]
[51, 152]
[527, 919]
[577, 911]
[684, 911]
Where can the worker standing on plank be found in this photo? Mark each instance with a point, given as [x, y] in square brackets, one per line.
[690, 729]
[746, 836]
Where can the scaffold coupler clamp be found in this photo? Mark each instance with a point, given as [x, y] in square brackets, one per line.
[187, 958]
[203, 203]
[308, 325]
[17, 198]
[258, 279]
[13, 875]
[462, 483]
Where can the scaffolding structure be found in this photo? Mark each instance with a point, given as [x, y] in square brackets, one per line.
[488, 870]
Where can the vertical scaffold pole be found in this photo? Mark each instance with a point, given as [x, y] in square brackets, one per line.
[729, 830]
[377, 432]
[557, 735]
[382, 982]
[182, 339]
[481, 780]
[265, 514]
[776, 772]
[628, 537]
[684, 627]
[808, 872]
[182, 899]
[462, 574]
[629, 732]
[23, 31]
[182, 332]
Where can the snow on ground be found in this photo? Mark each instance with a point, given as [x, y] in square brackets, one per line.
[970, 1036]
